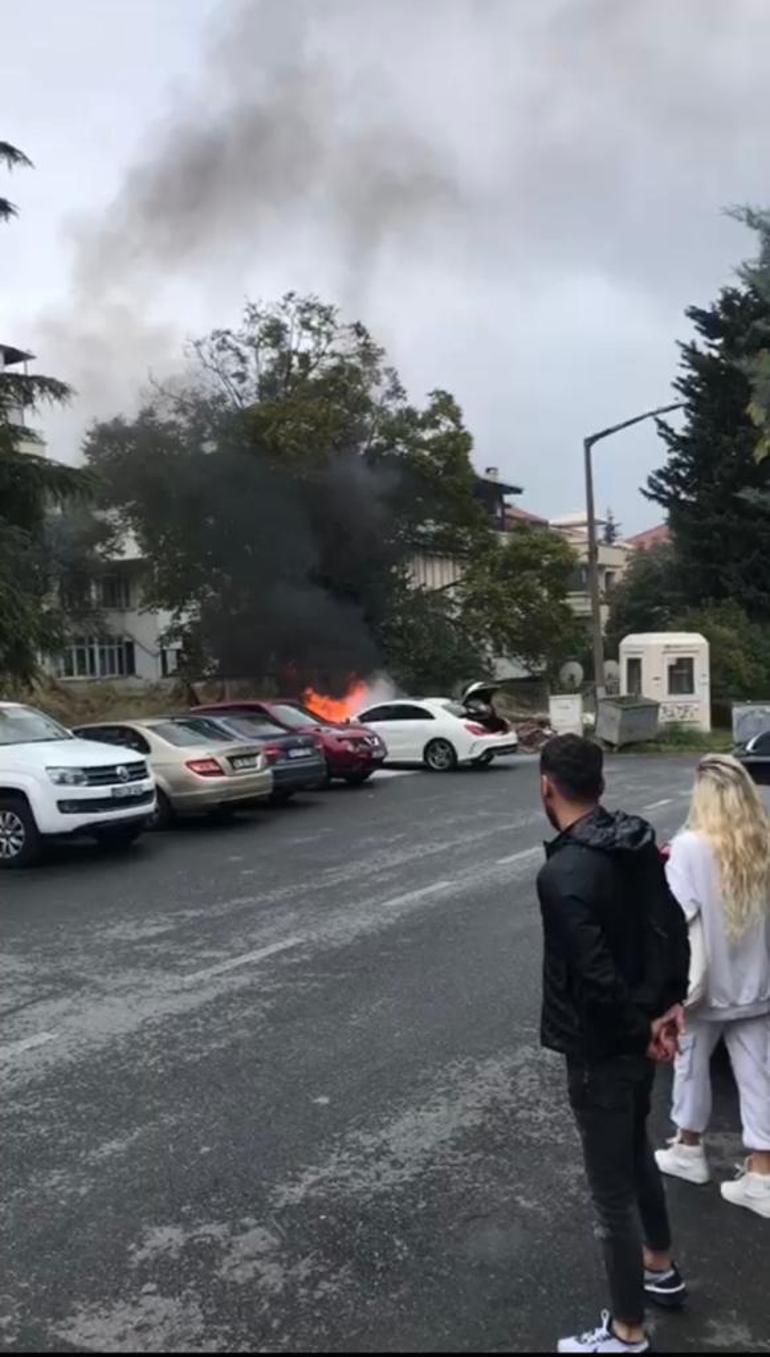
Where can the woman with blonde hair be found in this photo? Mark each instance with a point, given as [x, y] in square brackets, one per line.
[719, 871]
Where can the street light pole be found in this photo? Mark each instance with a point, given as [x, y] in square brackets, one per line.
[597, 636]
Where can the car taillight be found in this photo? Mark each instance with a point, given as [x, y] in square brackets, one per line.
[272, 752]
[474, 729]
[204, 767]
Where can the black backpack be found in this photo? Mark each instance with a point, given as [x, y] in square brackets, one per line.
[666, 938]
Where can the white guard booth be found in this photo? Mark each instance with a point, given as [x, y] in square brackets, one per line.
[672, 667]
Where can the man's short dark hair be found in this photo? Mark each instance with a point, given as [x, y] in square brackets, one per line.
[574, 766]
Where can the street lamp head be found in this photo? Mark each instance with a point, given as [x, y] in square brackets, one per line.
[593, 561]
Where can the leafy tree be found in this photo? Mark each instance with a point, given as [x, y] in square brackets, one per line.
[424, 642]
[648, 596]
[30, 484]
[739, 650]
[279, 495]
[711, 484]
[513, 598]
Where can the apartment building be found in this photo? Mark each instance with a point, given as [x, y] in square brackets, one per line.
[613, 559]
[131, 642]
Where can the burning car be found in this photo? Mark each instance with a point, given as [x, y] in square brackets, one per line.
[352, 753]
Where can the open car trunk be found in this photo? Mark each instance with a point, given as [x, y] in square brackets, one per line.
[478, 701]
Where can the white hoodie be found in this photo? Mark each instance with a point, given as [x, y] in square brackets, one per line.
[738, 973]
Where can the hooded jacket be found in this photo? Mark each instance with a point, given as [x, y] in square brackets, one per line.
[592, 892]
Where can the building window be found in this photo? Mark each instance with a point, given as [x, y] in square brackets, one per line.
[681, 677]
[97, 657]
[578, 580]
[75, 596]
[169, 660]
[634, 677]
[609, 580]
[115, 591]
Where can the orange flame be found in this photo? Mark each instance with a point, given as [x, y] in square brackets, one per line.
[336, 708]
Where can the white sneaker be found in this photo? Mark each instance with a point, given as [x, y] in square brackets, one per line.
[684, 1161]
[602, 1340]
[751, 1190]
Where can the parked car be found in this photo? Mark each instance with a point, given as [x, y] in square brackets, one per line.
[296, 760]
[436, 732]
[351, 752]
[54, 785]
[198, 768]
[755, 757]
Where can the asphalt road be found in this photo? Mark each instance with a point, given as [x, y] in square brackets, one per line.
[277, 1087]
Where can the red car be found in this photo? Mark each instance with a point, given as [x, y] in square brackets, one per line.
[352, 752]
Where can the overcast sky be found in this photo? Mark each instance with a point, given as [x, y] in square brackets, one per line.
[519, 197]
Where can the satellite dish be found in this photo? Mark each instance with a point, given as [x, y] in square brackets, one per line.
[571, 676]
[612, 676]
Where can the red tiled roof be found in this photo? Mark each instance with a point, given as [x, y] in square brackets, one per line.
[514, 513]
[650, 537]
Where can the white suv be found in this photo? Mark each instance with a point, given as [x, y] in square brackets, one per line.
[53, 784]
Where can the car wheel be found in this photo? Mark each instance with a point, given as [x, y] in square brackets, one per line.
[163, 814]
[20, 840]
[358, 779]
[115, 837]
[440, 756]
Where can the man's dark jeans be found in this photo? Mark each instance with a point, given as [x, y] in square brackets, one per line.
[611, 1102]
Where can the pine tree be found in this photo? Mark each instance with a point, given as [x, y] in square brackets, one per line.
[611, 532]
[12, 159]
[712, 484]
[756, 275]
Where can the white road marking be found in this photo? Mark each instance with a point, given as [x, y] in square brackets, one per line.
[520, 857]
[394, 772]
[248, 957]
[409, 896]
[655, 805]
[26, 1044]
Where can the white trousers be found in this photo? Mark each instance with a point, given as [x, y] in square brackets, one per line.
[748, 1046]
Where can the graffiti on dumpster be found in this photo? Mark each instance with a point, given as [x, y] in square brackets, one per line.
[681, 712]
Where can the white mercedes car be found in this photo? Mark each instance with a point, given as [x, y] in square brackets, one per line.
[437, 732]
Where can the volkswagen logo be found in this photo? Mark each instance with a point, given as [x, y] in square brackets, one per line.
[122, 773]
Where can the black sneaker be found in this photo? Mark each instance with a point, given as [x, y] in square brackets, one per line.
[665, 1288]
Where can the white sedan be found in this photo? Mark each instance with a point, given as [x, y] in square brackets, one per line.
[437, 732]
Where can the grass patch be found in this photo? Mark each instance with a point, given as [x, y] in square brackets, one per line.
[80, 703]
[683, 740]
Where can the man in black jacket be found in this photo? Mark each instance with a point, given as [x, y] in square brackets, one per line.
[607, 1006]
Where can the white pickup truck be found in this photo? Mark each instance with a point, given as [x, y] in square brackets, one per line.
[54, 785]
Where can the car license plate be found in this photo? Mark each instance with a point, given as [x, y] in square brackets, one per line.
[300, 753]
[245, 761]
[125, 793]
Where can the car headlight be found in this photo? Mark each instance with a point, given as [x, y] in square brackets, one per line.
[68, 777]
